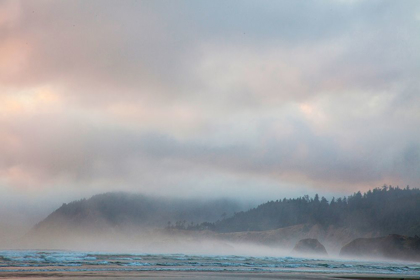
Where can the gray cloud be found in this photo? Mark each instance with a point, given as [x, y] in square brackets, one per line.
[85, 154]
[156, 96]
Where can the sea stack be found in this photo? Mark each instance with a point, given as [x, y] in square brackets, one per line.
[393, 246]
[309, 246]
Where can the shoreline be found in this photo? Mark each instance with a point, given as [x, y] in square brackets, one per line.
[193, 275]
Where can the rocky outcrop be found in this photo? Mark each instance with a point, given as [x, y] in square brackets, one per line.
[393, 246]
[333, 238]
[309, 246]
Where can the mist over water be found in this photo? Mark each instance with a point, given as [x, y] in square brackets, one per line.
[103, 236]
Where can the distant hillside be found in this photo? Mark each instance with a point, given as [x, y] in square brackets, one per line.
[128, 218]
[119, 210]
[383, 210]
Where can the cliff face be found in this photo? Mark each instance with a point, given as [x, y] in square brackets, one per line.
[392, 246]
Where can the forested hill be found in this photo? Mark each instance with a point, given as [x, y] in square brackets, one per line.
[118, 210]
[384, 210]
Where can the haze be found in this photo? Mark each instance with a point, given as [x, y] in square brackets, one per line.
[248, 100]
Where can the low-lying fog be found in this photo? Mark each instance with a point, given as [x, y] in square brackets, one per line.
[151, 241]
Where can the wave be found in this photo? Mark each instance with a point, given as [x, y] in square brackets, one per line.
[46, 261]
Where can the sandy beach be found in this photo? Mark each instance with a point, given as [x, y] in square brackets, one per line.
[155, 275]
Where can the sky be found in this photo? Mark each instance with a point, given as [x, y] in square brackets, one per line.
[240, 99]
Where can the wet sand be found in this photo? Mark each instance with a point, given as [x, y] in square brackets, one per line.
[156, 275]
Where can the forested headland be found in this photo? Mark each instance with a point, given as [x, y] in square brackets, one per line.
[384, 210]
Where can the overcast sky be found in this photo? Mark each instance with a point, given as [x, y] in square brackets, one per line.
[244, 99]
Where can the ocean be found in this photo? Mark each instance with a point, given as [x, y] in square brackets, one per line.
[33, 263]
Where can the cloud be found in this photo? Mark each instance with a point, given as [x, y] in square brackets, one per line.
[157, 96]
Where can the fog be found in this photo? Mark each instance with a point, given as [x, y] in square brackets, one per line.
[203, 101]
[155, 241]
[151, 241]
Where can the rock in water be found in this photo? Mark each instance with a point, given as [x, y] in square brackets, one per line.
[309, 246]
[393, 246]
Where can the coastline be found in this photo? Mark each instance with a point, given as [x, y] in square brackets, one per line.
[185, 275]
